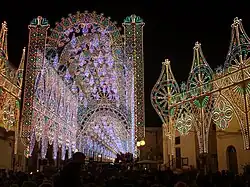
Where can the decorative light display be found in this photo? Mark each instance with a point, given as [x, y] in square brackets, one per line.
[201, 74]
[163, 91]
[184, 122]
[222, 114]
[10, 88]
[133, 29]
[78, 89]
[161, 97]
[207, 95]
[103, 129]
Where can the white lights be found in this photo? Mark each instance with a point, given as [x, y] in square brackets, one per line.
[83, 98]
[140, 143]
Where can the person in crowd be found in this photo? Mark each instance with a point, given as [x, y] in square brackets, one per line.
[73, 174]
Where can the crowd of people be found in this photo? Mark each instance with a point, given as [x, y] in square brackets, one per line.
[77, 174]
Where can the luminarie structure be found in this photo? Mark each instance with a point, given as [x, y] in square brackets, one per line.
[11, 81]
[79, 86]
[208, 96]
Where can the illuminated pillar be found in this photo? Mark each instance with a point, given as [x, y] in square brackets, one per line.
[133, 36]
[37, 39]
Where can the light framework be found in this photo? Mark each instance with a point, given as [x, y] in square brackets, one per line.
[11, 81]
[161, 98]
[77, 88]
[211, 96]
[133, 33]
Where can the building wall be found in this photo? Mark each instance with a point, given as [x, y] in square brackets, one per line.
[6, 150]
[187, 146]
[219, 140]
[153, 149]
[5, 155]
[223, 141]
[231, 137]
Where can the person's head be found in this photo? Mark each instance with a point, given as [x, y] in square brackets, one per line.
[180, 184]
[29, 184]
[14, 185]
[128, 185]
[45, 185]
[78, 157]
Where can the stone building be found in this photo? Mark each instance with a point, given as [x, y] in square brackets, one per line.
[153, 149]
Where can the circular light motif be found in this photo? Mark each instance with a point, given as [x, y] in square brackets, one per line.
[184, 123]
[222, 115]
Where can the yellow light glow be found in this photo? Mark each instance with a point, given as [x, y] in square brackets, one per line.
[142, 142]
[138, 144]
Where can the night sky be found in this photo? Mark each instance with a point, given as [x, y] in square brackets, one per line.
[171, 29]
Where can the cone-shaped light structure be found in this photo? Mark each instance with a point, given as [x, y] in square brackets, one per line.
[165, 87]
[239, 45]
[200, 73]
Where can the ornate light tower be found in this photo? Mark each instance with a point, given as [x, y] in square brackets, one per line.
[37, 38]
[133, 36]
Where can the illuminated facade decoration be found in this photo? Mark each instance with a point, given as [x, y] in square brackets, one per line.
[79, 87]
[11, 80]
[208, 96]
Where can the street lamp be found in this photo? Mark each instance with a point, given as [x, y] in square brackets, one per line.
[140, 144]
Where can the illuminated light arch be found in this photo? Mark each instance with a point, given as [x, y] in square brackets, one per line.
[106, 107]
[76, 51]
[60, 34]
[114, 120]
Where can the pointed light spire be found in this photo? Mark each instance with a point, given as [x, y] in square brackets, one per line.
[239, 41]
[3, 39]
[198, 57]
[20, 70]
[200, 73]
[165, 87]
[166, 63]
[239, 36]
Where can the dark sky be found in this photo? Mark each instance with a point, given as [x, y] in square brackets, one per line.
[171, 29]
